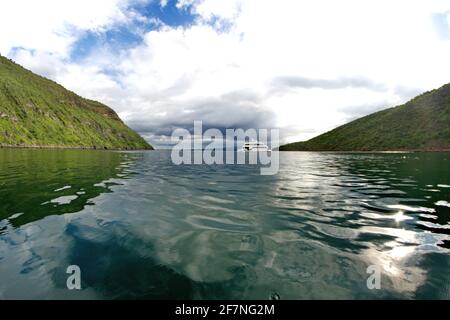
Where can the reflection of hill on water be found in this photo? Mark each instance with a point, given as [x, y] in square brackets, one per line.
[38, 183]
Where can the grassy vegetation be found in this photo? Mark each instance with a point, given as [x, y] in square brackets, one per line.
[421, 124]
[35, 111]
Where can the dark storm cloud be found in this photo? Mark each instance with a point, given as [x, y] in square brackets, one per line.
[292, 82]
[238, 109]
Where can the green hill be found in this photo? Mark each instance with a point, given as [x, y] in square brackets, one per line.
[422, 124]
[37, 112]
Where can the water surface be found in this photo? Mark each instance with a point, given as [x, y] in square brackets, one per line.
[140, 227]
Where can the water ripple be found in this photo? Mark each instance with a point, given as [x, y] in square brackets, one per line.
[141, 227]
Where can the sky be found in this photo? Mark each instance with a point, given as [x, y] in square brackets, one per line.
[304, 67]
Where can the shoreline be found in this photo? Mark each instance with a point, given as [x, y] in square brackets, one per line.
[59, 147]
[371, 151]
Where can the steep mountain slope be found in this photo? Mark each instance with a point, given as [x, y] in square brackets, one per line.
[35, 111]
[421, 124]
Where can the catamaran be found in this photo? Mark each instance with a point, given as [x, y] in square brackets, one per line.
[255, 146]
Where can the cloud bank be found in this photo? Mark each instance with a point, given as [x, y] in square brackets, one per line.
[302, 66]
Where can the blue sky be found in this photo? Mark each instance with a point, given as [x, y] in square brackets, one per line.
[130, 34]
[302, 66]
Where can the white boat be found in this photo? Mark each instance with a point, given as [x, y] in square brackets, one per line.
[254, 146]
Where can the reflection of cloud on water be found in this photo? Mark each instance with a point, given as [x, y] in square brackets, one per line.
[56, 182]
[30, 263]
[400, 272]
[400, 258]
[62, 200]
[351, 211]
[196, 232]
[443, 203]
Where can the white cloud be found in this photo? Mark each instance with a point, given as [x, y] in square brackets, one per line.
[54, 25]
[163, 3]
[208, 9]
[184, 4]
[335, 60]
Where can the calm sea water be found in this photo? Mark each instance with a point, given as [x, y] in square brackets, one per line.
[140, 227]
